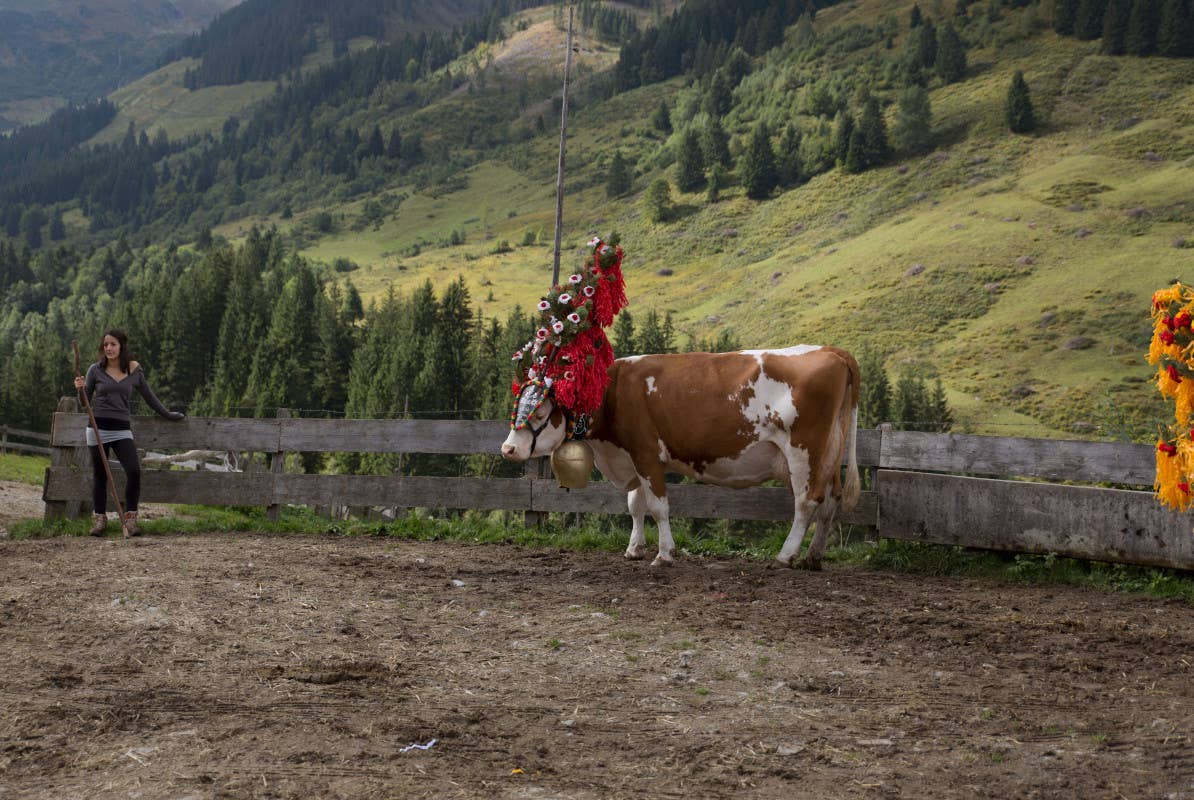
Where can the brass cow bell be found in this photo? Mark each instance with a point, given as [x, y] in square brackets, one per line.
[572, 462]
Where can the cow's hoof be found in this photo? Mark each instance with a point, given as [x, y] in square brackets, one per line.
[660, 561]
[809, 564]
[780, 564]
[635, 553]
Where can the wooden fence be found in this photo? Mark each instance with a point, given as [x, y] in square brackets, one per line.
[973, 491]
[10, 441]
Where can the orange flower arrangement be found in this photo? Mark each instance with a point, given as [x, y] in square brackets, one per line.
[1172, 350]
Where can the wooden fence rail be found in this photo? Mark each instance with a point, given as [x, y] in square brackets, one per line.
[8, 435]
[944, 488]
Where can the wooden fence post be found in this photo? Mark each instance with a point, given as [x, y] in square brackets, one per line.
[277, 466]
[4, 440]
[534, 468]
[65, 457]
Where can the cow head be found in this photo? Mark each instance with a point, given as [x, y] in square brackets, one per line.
[538, 426]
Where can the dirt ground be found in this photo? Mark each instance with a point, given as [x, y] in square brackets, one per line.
[307, 666]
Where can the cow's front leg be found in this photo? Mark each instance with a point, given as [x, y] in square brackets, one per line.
[823, 520]
[637, 503]
[657, 505]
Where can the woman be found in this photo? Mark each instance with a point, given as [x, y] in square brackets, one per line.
[109, 384]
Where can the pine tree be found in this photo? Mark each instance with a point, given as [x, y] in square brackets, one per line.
[912, 131]
[656, 335]
[1088, 19]
[843, 127]
[1142, 28]
[657, 201]
[719, 97]
[1064, 14]
[57, 228]
[690, 165]
[31, 222]
[352, 310]
[757, 167]
[789, 157]
[941, 418]
[376, 146]
[394, 145]
[715, 144]
[1175, 32]
[926, 45]
[625, 343]
[915, 18]
[1115, 27]
[910, 405]
[718, 180]
[874, 402]
[618, 181]
[1018, 112]
[868, 141]
[661, 120]
[951, 55]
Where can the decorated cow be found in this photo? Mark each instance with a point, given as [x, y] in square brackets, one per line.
[730, 419]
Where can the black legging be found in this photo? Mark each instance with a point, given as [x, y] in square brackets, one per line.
[126, 454]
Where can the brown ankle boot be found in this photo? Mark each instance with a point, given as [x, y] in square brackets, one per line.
[99, 525]
[130, 524]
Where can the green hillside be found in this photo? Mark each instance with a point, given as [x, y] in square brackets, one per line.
[1017, 268]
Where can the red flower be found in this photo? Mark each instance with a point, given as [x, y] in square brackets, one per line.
[1166, 337]
[1185, 487]
[1182, 320]
[1174, 375]
[1167, 448]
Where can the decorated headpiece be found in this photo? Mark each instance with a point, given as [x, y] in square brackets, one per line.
[570, 354]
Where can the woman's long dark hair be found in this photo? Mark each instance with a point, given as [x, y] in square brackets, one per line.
[124, 357]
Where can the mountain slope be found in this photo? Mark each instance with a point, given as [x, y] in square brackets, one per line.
[53, 52]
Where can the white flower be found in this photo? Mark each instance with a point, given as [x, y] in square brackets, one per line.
[575, 278]
[588, 291]
[517, 356]
[606, 249]
[541, 334]
[565, 299]
[543, 305]
[596, 240]
[574, 318]
[557, 326]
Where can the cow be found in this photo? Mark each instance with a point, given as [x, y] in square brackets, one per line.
[729, 419]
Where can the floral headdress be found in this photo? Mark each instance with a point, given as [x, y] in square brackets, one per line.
[1172, 350]
[570, 353]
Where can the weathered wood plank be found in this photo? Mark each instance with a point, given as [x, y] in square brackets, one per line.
[172, 486]
[1053, 459]
[868, 450]
[690, 500]
[394, 435]
[1077, 521]
[204, 433]
[391, 490]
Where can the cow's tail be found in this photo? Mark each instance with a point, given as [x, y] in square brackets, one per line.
[853, 486]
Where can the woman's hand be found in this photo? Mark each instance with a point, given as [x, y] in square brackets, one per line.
[80, 382]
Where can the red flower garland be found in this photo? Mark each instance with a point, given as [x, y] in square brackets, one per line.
[570, 347]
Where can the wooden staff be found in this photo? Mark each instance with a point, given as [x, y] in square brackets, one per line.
[555, 264]
[103, 456]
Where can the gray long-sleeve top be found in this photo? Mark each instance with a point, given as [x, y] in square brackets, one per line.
[112, 399]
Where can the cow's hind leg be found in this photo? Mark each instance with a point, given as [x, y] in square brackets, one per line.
[802, 516]
[658, 506]
[823, 521]
[637, 503]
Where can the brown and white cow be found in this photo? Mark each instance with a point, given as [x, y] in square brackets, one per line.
[730, 419]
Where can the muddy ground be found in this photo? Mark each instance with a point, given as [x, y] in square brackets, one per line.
[306, 666]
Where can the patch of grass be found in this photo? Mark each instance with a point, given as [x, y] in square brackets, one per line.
[942, 560]
[23, 469]
[595, 534]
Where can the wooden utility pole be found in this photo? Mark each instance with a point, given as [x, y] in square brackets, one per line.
[555, 264]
